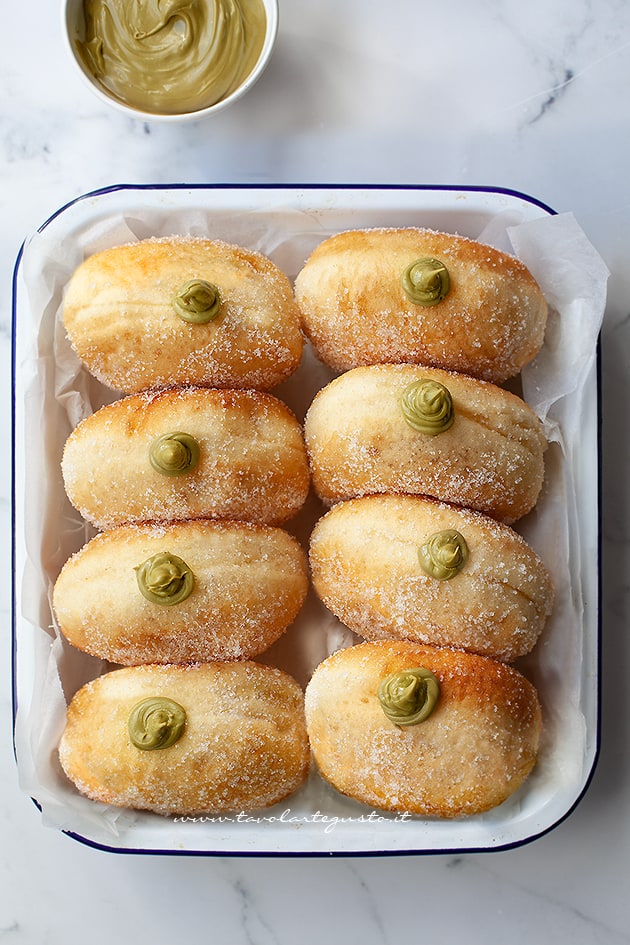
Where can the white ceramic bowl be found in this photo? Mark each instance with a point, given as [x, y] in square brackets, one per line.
[73, 26]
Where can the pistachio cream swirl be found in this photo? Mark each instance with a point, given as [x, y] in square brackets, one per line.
[197, 301]
[156, 722]
[426, 281]
[410, 696]
[174, 454]
[171, 56]
[165, 579]
[427, 406]
[444, 554]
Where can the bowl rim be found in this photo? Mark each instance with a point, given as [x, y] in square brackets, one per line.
[70, 8]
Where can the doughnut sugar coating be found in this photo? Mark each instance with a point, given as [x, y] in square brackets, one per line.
[355, 311]
[473, 751]
[248, 583]
[393, 566]
[490, 459]
[252, 463]
[243, 745]
[120, 317]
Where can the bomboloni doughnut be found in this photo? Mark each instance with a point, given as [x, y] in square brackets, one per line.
[182, 311]
[411, 568]
[415, 295]
[181, 592]
[208, 738]
[187, 453]
[410, 429]
[438, 732]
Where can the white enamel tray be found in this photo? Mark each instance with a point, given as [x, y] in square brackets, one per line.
[50, 392]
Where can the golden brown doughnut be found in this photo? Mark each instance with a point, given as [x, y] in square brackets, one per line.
[473, 751]
[355, 310]
[411, 568]
[120, 319]
[252, 462]
[490, 458]
[244, 584]
[243, 745]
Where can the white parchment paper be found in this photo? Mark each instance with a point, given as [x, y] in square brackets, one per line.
[53, 392]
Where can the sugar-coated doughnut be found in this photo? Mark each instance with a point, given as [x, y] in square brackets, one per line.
[181, 592]
[236, 731]
[474, 748]
[246, 459]
[410, 429]
[181, 311]
[355, 310]
[411, 568]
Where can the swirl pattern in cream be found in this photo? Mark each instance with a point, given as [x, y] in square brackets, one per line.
[171, 56]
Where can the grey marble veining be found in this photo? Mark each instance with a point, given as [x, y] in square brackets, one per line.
[532, 97]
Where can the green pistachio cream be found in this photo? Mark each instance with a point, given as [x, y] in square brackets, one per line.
[427, 406]
[426, 281]
[174, 454]
[444, 554]
[156, 722]
[165, 579]
[171, 56]
[197, 301]
[410, 696]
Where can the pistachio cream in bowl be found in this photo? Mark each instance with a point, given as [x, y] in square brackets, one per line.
[171, 59]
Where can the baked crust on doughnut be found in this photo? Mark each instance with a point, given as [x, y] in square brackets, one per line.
[119, 316]
[250, 582]
[244, 745]
[366, 567]
[474, 750]
[252, 464]
[355, 311]
[491, 459]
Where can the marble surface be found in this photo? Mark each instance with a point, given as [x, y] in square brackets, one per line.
[530, 97]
